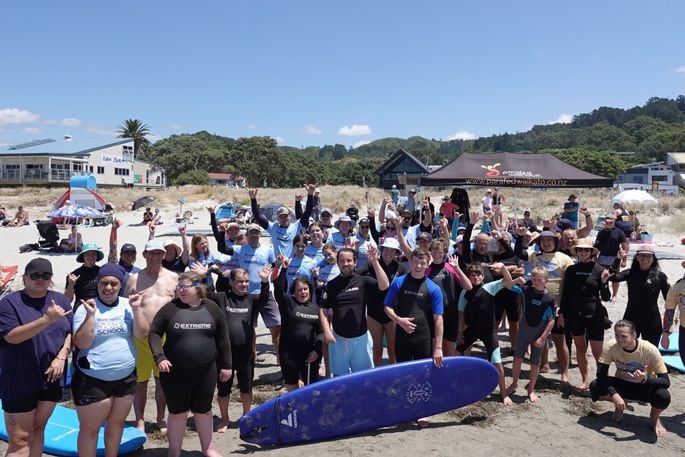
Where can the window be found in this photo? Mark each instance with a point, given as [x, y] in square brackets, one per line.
[659, 178]
[101, 170]
[127, 153]
[77, 166]
[121, 171]
[11, 167]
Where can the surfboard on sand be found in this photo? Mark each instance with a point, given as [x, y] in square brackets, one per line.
[62, 431]
[367, 400]
[672, 344]
[674, 361]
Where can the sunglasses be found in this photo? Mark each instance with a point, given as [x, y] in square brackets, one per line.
[389, 228]
[41, 276]
[406, 218]
[186, 286]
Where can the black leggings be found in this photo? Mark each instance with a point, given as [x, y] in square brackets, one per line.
[243, 368]
[412, 347]
[658, 397]
[293, 366]
[189, 389]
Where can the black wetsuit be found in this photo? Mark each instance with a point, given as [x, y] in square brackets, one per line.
[479, 318]
[376, 297]
[642, 308]
[241, 313]
[346, 296]
[196, 337]
[451, 288]
[86, 285]
[301, 333]
[581, 300]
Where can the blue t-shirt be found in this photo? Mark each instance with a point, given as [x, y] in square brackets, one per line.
[315, 253]
[362, 256]
[253, 260]
[112, 356]
[206, 261]
[282, 237]
[571, 212]
[300, 266]
[327, 271]
[23, 365]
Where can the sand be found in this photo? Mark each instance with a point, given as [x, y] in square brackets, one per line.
[563, 423]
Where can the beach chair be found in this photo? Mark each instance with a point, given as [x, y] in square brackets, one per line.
[49, 234]
[7, 275]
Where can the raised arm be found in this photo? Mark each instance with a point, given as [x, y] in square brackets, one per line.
[309, 207]
[261, 220]
[381, 277]
[218, 236]
[185, 244]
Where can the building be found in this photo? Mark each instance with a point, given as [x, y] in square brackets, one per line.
[401, 169]
[48, 162]
[226, 179]
[652, 177]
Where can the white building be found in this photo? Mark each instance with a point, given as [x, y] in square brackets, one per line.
[48, 161]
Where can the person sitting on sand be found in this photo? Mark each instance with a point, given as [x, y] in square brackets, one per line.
[640, 375]
[20, 218]
[3, 213]
[535, 326]
[147, 216]
[73, 242]
[157, 217]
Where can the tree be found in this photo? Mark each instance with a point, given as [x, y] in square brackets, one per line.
[134, 128]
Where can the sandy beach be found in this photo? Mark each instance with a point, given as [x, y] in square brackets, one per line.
[564, 423]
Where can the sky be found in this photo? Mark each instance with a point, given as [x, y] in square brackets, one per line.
[316, 72]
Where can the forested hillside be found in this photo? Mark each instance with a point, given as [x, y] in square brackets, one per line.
[588, 142]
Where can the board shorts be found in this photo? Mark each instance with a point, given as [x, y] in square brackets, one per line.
[87, 390]
[145, 363]
[526, 337]
[53, 393]
[270, 314]
[350, 354]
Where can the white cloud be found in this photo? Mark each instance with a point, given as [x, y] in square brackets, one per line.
[360, 143]
[32, 130]
[280, 140]
[680, 69]
[71, 122]
[309, 129]
[462, 135]
[17, 116]
[563, 119]
[354, 130]
[175, 127]
[252, 127]
[102, 131]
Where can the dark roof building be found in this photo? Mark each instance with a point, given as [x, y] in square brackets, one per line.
[400, 169]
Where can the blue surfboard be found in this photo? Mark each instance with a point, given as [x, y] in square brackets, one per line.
[672, 344]
[367, 400]
[61, 433]
[674, 361]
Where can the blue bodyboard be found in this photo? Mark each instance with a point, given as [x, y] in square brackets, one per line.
[62, 431]
[368, 400]
[672, 344]
[674, 361]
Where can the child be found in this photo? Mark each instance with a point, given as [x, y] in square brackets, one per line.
[477, 317]
[536, 324]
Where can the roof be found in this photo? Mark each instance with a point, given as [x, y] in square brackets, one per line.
[73, 147]
[677, 156]
[508, 169]
[396, 158]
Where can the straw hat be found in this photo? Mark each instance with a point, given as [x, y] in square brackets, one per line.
[584, 243]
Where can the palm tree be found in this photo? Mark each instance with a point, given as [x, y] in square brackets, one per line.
[134, 128]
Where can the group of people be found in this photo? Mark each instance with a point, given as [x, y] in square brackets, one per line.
[329, 291]
[21, 217]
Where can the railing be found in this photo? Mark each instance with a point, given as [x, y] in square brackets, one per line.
[39, 175]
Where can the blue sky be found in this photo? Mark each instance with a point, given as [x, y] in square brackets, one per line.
[324, 72]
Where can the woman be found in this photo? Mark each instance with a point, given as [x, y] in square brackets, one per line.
[640, 375]
[315, 246]
[73, 242]
[300, 347]
[380, 325]
[82, 282]
[196, 342]
[200, 254]
[176, 259]
[35, 327]
[581, 311]
[104, 378]
[345, 229]
[300, 265]
[645, 281]
[325, 272]
[675, 299]
[363, 240]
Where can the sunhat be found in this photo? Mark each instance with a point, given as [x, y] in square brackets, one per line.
[90, 247]
[584, 243]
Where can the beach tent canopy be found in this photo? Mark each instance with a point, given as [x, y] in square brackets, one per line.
[507, 169]
[85, 197]
[634, 196]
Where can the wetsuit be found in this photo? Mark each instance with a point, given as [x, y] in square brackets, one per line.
[421, 299]
[478, 307]
[676, 299]
[86, 286]
[377, 297]
[196, 337]
[581, 303]
[301, 334]
[538, 310]
[241, 314]
[444, 275]
[642, 308]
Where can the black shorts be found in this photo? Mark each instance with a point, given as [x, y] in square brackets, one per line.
[557, 330]
[52, 392]
[243, 368]
[507, 301]
[189, 389]
[377, 313]
[657, 397]
[411, 347]
[87, 390]
[590, 327]
[450, 323]
[292, 357]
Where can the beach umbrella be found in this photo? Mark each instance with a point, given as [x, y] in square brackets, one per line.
[634, 196]
[76, 211]
[142, 201]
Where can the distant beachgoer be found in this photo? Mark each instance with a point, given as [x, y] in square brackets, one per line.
[486, 202]
[147, 216]
[640, 375]
[73, 242]
[571, 210]
[21, 218]
[394, 194]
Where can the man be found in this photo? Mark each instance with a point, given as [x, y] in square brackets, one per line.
[157, 286]
[571, 210]
[346, 296]
[411, 201]
[127, 255]
[609, 240]
[326, 219]
[21, 218]
[528, 222]
[316, 205]
[283, 232]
